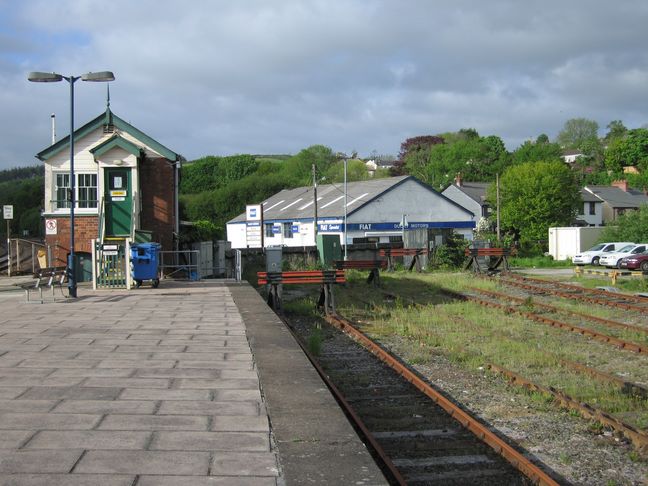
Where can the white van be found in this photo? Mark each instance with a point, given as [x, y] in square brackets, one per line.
[593, 255]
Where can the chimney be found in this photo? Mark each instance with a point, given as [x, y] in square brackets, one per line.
[458, 180]
[623, 185]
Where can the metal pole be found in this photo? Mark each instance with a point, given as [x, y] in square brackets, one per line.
[346, 256]
[72, 284]
[8, 248]
[315, 204]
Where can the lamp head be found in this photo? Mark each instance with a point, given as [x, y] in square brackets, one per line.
[38, 77]
[97, 77]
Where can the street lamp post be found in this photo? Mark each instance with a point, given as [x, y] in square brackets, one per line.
[346, 255]
[40, 77]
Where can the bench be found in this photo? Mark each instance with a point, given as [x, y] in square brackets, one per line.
[325, 278]
[48, 278]
[373, 266]
[500, 254]
[415, 253]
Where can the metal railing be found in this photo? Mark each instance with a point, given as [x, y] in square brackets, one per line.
[180, 264]
[18, 260]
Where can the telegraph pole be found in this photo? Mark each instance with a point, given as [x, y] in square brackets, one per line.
[498, 209]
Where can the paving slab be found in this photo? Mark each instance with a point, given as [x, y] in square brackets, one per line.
[168, 386]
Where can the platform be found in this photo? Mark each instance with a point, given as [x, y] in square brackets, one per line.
[189, 384]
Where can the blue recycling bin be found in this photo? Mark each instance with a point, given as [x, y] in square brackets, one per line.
[145, 263]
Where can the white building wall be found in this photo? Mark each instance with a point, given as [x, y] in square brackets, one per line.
[595, 219]
[454, 193]
[84, 162]
[564, 243]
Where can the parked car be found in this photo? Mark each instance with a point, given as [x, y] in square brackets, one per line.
[592, 256]
[635, 262]
[613, 259]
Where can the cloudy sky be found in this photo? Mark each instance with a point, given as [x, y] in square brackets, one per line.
[275, 76]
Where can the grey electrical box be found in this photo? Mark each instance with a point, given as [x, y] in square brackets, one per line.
[274, 257]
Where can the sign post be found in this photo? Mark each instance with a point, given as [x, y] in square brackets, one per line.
[7, 211]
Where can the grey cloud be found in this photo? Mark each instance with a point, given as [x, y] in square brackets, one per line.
[225, 77]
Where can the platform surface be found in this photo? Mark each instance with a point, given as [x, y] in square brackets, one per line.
[188, 384]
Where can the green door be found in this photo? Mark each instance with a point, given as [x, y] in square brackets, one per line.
[118, 201]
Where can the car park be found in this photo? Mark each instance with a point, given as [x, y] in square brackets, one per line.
[612, 260]
[592, 256]
[635, 262]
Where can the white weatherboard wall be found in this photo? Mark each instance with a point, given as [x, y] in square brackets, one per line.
[564, 243]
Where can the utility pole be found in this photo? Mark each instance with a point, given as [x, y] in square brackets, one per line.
[315, 204]
[498, 209]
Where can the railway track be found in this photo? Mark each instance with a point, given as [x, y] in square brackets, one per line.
[579, 315]
[425, 438]
[574, 292]
[604, 338]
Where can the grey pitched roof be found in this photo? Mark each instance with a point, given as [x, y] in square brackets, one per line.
[587, 196]
[106, 119]
[296, 204]
[618, 198]
[475, 190]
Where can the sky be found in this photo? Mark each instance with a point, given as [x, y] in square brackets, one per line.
[222, 77]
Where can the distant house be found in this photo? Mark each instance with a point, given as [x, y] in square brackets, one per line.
[591, 211]
[378, 163]
[570, 156]
[125, 182]
[617, 199]
[470, 195]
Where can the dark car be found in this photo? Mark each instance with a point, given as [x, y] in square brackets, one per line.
[635, 262]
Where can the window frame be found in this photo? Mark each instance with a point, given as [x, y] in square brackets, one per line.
[286, 230]
[86, 185]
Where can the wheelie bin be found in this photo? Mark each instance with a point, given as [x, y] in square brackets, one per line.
[145, 263]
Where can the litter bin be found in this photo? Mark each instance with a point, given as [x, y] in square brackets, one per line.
[145, 263]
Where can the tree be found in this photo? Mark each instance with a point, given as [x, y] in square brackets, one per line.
[413, 156]
[535, 196]
[356, 171]
[577, 131]
[616, 129]
[631, 150]
[536, 152]
[298, 169]
[542, 138]
[630, 226]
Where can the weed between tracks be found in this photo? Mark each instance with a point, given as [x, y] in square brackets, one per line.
[473, 336]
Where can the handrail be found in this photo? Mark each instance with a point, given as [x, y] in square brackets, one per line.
[101, 221]
[134, 213]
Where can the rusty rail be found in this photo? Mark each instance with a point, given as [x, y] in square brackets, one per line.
[517, 281]
[518, 460]
[364, 430]
[627, 387]
[638, 437]
[620, 343]
[600, 320]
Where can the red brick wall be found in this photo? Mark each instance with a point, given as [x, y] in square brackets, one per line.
[158, 205]
[86, 229]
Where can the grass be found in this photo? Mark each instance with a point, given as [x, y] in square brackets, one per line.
[538, 262]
